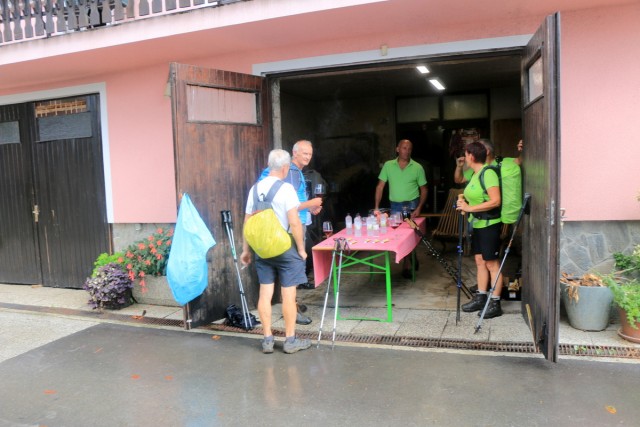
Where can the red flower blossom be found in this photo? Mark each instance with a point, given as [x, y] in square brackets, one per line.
[148, 257]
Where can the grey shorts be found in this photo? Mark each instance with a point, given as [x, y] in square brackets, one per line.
[288, 267]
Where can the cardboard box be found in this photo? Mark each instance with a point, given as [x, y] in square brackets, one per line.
[511, 289]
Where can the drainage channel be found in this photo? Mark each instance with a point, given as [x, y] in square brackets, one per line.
[415, 342]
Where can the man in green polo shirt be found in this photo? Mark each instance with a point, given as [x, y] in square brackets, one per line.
[407, 186]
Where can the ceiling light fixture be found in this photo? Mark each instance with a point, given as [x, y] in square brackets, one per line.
[436, 83]
[423, 69]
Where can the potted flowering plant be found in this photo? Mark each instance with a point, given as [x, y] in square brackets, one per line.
[109, 287]
[625, 285]
[148, 257]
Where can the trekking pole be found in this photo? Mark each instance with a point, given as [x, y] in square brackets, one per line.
[438, 256]
[342, 245]
[228, 223]
[527, 196]
[460, 249]
[326, 295]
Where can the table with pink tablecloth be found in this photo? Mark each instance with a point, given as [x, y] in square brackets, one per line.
[401, 241]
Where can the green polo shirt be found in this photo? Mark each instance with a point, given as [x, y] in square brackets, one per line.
[404, 184]
[474, 195]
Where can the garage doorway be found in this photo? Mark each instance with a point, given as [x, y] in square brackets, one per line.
[355, 116]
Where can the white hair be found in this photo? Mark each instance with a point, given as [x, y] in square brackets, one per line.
[278, 159]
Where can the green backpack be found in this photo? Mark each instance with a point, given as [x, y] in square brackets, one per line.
[508, 172]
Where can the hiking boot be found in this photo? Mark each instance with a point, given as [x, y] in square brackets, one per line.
[297, 345]
[477, 303]
[493, 310]
[301, 319]
[267, 346]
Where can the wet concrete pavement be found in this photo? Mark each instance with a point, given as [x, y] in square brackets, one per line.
[82, 373]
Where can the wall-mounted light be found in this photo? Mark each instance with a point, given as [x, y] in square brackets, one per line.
[436, 83]
[423, 69]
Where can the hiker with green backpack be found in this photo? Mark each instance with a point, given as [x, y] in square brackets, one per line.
[483, 201]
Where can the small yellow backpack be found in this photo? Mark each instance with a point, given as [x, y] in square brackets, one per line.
[262, 231]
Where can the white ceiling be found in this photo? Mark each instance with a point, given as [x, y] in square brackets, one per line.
[459, 75]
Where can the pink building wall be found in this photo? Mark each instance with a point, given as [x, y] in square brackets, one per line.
[600, 108]
[141, 147]
[599, 102]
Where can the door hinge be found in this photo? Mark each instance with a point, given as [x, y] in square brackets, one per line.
[552, 213]
[36, 213]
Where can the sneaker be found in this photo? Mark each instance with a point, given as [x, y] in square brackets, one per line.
[267, 346]
[307, 285]
[476, 304]
[301, 319]
[297, 345]
[493, 310]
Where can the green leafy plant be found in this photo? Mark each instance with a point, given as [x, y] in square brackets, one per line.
[148, 257]
[624, 284]
[110, 287]
[104, 259]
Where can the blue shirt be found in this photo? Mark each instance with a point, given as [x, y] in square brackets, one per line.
[295, 178]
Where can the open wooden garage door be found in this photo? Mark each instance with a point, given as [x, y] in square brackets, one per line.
[541, 138]
[221, 123]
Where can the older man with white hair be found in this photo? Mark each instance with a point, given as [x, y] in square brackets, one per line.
[290, 266]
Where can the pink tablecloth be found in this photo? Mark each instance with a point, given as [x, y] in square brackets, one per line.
[401, 241]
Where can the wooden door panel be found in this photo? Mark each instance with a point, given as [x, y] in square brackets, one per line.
[19, 259]
[73, 228]
[541, 172]
[217, 161]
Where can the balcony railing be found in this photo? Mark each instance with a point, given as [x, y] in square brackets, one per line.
[23, 20]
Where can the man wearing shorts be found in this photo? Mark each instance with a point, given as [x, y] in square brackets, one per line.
[290, 266]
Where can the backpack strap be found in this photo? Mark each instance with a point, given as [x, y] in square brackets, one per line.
[270, 194]
[272, 191]
[495, 212]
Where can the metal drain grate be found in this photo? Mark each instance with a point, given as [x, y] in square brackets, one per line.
[415, 342]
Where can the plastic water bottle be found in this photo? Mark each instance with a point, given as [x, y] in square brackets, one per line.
[349, 224]
[383, 224]
[370, 221]
[358, 225]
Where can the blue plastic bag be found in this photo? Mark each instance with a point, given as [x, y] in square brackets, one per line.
[187, 265]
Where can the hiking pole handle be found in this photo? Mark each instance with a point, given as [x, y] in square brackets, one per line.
[523, 209]
[226, 218]
[460, 198]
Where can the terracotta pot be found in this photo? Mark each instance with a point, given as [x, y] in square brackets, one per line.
[627, 331]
